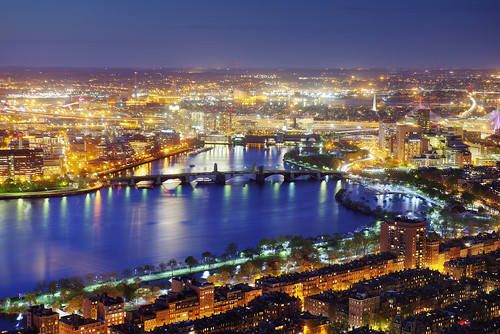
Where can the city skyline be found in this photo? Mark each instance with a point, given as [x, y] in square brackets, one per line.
[221, 34]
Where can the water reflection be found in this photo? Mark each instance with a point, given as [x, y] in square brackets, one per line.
[124, 227]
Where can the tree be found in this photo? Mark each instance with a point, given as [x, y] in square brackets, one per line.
[139, 270]
[127, 272]
[56, 304]
[467, 198]
[220, 278]
[129, 291]
[306, 257]
[5, 302]
[41, 285]
[263, 245]
[339, 327]
[332, 255]
[191, 262]
[298, 242]
[249, 252]
[273, 265]
[248, 271]
[147, 269]
[90, 277]
[231, 269]
[30, 298]
[232, 249]
[208, 258]
[74, 304]
[172, 263]
[112, 276]
[52, 287]
[452, 182]
[335, 240]
[163, 267]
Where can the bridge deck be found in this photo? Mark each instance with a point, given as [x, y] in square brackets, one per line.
[245, 172]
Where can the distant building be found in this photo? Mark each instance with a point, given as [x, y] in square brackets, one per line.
[406, 238]
[24, 163]
[240, 94]
[457, 152]
[409, 142]
[192, 299]
[423, 119]
[386, 130]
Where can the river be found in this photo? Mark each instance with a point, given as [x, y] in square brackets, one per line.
[124, 227]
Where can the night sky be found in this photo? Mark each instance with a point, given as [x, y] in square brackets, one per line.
[254, 33]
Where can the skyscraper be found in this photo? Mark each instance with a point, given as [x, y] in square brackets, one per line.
[423, 119]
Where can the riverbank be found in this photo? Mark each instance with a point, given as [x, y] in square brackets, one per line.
[342, 197]
[274, 256]
[81, 191]
[145, 161]
[51, 193]
[369, 199]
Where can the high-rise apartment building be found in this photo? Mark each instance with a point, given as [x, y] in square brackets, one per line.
[406, 238]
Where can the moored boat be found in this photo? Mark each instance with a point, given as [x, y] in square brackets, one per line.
[148, 184]
[171, 184]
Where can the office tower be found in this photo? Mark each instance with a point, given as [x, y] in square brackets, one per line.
[24, 163]
[409, 142]
[423, 119]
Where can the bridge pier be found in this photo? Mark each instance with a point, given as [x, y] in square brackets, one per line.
[260, 177]
[220, 178]
[185, 179]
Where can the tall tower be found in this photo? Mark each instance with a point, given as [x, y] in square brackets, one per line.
[406, 238]
[374, 107]
[420, 105]
[134, 93]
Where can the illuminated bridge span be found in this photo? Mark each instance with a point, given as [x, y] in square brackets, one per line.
[219, 177]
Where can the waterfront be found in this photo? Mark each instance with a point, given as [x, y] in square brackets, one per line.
[124, 227]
